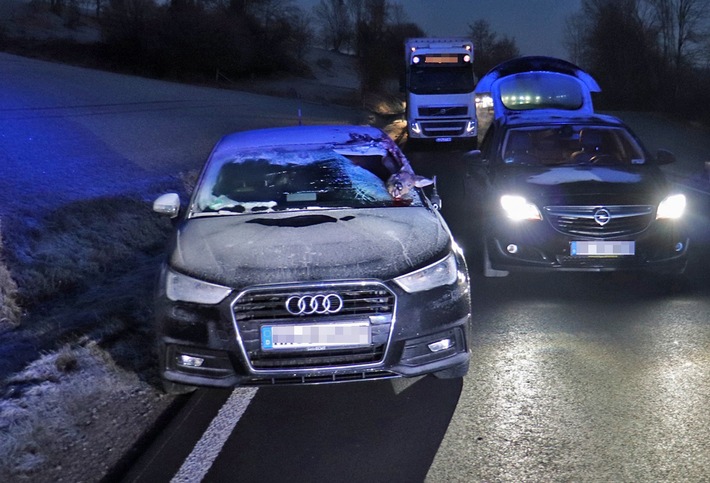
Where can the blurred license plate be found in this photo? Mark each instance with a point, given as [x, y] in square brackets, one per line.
[315, 336]
[443, 140]
[602, 248]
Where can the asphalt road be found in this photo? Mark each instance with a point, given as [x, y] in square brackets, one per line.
[575, 377]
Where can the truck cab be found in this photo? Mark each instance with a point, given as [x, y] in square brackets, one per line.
[439, 88]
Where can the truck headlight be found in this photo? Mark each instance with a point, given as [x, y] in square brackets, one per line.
[443, 272]
[179, 287]
[671, 208]
[518, 208]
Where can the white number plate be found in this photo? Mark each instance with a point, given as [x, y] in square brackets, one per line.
[602, 248]
[315, 336]
[443, 140]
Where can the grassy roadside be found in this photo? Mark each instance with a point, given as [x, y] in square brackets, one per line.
[76, 352]
[9, 309]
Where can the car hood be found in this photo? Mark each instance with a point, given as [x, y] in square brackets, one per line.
[583, 185]
[243, 250]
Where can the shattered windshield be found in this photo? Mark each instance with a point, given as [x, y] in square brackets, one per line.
[571, 145]
[283, 179]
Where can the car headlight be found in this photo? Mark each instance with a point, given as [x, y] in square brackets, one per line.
[440, 273]
[179, 287]
[518, 208]
[672, 207]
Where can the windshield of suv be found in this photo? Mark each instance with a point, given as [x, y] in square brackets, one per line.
[571, 145]
[283, 179]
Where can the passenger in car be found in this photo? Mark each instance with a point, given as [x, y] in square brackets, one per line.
[590, 141]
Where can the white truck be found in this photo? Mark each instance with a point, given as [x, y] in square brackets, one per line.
[439, 87]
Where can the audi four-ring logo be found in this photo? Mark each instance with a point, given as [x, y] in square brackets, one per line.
[314, 304]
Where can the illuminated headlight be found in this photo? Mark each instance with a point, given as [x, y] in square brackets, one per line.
[427, 278]
[484, 101]
[415, 128]
[672, 207]
[182, 288]
[471, 126]
[518, 208]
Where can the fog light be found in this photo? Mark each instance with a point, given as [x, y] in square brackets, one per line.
[512, 249]
[441, 345]
[190, 361]
[679, 247]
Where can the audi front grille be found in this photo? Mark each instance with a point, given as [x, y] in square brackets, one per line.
[620, 220]
[280, 305]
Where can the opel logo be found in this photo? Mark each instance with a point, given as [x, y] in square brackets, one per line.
[602, 216]
[314, 304]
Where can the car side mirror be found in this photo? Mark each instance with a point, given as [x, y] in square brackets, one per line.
[475, 158]
[473, 162]
[434, 197]
[167, 204]
[664, 156]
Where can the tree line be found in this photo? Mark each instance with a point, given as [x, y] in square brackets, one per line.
[645, 54]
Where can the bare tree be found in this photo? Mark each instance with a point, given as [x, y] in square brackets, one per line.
[489, 50]
[682, 27]
[336, 23]
[574, 37]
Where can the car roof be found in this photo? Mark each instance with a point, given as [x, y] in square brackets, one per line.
[543, 118]
[322, 135]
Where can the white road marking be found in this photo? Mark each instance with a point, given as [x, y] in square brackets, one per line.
[205, 452]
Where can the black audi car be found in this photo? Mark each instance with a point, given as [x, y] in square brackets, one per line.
[293, 262]
[568, 189]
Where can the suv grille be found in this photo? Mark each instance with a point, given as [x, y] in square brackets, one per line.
[580, 220]
[361, 301]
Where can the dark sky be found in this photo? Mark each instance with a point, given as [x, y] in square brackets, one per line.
[536, 25]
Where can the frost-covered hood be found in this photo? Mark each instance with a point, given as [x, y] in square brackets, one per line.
[243, 250]
[570, 185]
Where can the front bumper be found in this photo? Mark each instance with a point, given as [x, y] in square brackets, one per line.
[535, 246]
[231, 353]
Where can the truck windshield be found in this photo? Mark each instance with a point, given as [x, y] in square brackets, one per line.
[448, 79]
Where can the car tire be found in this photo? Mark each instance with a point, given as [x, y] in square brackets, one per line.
[454, 372]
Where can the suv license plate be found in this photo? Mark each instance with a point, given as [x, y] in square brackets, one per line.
[602, 248]
[315, 336]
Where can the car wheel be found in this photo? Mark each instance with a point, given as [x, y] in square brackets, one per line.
[175, 389]
[488, 270]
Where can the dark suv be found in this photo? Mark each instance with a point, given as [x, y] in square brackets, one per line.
[567, 188]
[294, 263]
